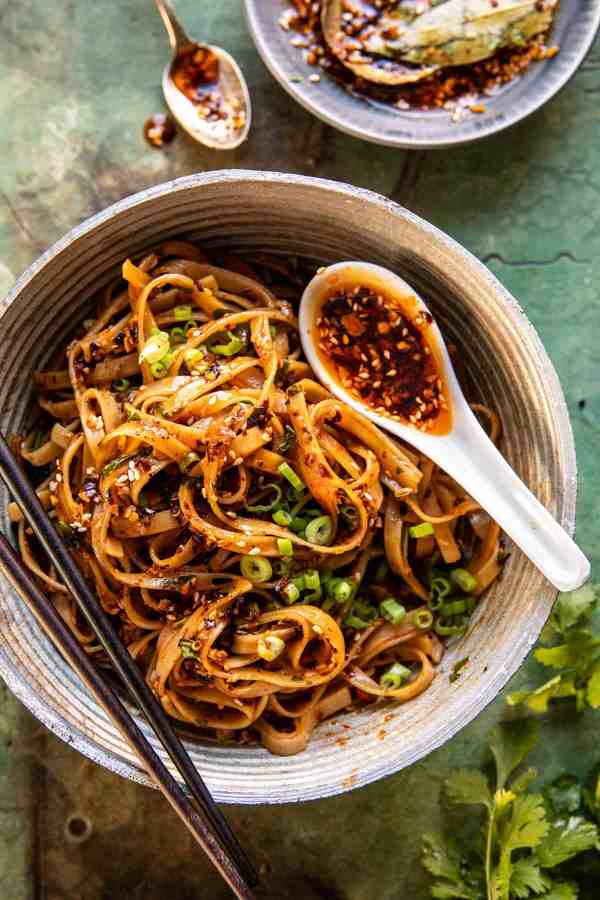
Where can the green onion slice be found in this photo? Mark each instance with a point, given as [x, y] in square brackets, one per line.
[424, 529]
[465, 581]
[267, 507]
[394, 677]
[286, 471]
[234, 345]
[256, 569]
[282, 517]
[320, 531]
[284, 545]
[392, 610]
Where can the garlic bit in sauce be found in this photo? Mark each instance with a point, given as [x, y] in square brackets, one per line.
[378, 347]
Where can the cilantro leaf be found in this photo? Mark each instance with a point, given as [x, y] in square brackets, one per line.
[562, 890]
[573, 608]
[593, 689]
[563, 795]
[469, 786]
[510, 743]
[537, 700]
[524, 829]
[566, 838]
[554, 657]
[522, 782]
[442, 859]
[527, 878]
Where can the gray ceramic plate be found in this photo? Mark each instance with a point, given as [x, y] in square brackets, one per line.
[509, 369]
[574, 30]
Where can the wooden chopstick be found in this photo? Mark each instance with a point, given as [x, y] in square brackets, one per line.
[63, 639]
[24, 494]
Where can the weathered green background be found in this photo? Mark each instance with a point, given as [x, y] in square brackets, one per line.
[77, 80]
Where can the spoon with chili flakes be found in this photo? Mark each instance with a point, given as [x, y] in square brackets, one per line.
[204, 88]
[372, 342]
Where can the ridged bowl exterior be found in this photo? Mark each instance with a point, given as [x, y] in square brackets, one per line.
[508, 368]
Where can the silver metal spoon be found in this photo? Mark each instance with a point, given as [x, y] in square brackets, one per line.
[463, 449]
[221, 118]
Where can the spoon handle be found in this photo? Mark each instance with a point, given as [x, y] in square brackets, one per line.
[474, 461]
[177, 36]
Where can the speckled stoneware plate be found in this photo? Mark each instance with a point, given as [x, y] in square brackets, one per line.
[291, 214]
[574, 29]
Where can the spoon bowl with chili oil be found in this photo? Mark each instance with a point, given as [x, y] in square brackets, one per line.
[372, 341]
[204, 88]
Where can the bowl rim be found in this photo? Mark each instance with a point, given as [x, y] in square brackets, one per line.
[17, 680]
[309, 98]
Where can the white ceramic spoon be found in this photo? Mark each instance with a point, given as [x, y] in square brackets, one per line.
[465, 452]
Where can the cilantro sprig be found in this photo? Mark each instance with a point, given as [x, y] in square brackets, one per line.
[574, 654]
[524, 836]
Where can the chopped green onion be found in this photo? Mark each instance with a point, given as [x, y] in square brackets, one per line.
[298, 524]
[178, 335]
[312, 579]
[440, 587]
[457, 669]
[289, 436]
[188, 461]
[189, 649]
[189, 325]
[282, 517]
[464, 580]
[272, 330]
[453, 607]
[394, 676]
[121, 385]
[313, 596]
[132, 413]
[423, 619]
[349, 514]
[355, 622]
[183, 312]
[270, 647]
[299, 581]
[286, 471]
[159, 369]
[284, 545]
[424, 529]
[155, 347]
[320, 531]
[291, 592]
[256, 569]
[446, 628]
[392, 610]
[234, 345]
[267, 507]
[194, 356]
[434, 602]
[343, 590]
[282, 567]
[382, 570]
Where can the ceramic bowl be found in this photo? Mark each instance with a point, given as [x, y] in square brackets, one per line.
[575, 26]
[508, 368]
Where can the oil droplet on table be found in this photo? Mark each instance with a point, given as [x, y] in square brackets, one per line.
[159, 130]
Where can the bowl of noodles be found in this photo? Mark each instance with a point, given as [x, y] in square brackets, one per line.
[315, 604]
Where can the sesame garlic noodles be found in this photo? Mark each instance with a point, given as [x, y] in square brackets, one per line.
[267, 555]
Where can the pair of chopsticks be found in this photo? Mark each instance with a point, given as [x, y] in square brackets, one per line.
[208, 825]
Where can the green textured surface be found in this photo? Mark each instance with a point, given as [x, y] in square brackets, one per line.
[77, 80]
